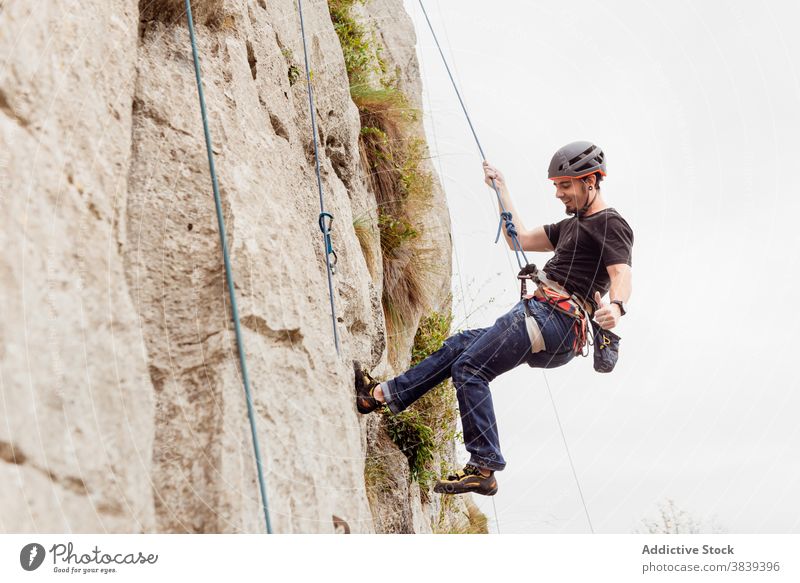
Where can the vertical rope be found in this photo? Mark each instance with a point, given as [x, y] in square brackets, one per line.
[505, 216]
[228, 271]
[325, 227]
[569, 456]
[496, 520]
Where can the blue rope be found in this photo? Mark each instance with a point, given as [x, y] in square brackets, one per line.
[228, 272]
[324, 227]
[505, 216]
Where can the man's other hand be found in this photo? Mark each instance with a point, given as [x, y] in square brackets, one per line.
[607, 315]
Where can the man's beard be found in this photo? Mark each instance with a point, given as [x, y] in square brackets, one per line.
[573, 211]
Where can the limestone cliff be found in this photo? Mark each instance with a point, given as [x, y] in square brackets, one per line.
[122, 401]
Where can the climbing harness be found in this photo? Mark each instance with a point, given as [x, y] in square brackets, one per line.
[569, 455]
[552, 293]
[324, 226]
[605, 342]
[228, 271]
[506, 219]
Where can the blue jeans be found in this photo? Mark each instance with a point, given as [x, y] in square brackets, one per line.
[473, 358]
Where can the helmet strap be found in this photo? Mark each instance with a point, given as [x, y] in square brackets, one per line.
[589, 203]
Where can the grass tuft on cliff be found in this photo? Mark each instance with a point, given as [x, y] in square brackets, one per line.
[476, 521]
[403, 190]
[425, 430]
[361, 50]
[392, 155]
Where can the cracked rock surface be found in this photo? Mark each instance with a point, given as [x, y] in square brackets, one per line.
[122, 398]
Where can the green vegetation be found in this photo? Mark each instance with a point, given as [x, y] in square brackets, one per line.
[430, 336]
[392, 154]
[424, 430]
[415, 439]
[403, 191]
[293, 74]
[376, 478]
[294, 71]
[362, 52]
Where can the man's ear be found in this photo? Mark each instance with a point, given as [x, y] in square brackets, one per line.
[590, 180]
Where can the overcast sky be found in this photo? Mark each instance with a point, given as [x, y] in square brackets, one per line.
[696, 106]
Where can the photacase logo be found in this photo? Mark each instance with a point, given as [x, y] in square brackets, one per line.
[31, 556]
[65, 559]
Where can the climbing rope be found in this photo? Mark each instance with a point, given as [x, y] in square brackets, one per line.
[569, 456]
[324, 226]
[228, 272]
[505, 217]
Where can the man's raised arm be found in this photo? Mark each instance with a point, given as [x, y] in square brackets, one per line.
[535, 240]
[531, 240]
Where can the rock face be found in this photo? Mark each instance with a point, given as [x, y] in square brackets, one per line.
[122, 395]
[77, 438]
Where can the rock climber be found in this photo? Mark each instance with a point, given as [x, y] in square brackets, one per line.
[592, 257]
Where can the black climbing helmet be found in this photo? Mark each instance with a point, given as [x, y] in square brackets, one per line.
[577, 160]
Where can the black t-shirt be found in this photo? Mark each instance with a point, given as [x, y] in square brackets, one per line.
[584, 247]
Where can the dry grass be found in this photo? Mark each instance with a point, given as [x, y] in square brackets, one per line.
[477, 523]
[393, 158]
[392, 154]
[365, 235]
[377, 478]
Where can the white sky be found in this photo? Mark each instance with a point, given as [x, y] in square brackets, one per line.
[696, 106]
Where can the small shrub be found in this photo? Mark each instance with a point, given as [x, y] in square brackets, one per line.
[395, 233]
[425, 429]
[403, 191]
[416, 440]
[430, 336]
[360, 48]
[293, 74]
[674, 520]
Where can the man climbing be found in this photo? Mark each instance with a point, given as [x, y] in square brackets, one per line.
[592, 257]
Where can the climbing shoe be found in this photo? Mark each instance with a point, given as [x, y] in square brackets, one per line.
[365, 385]
[469, 479]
